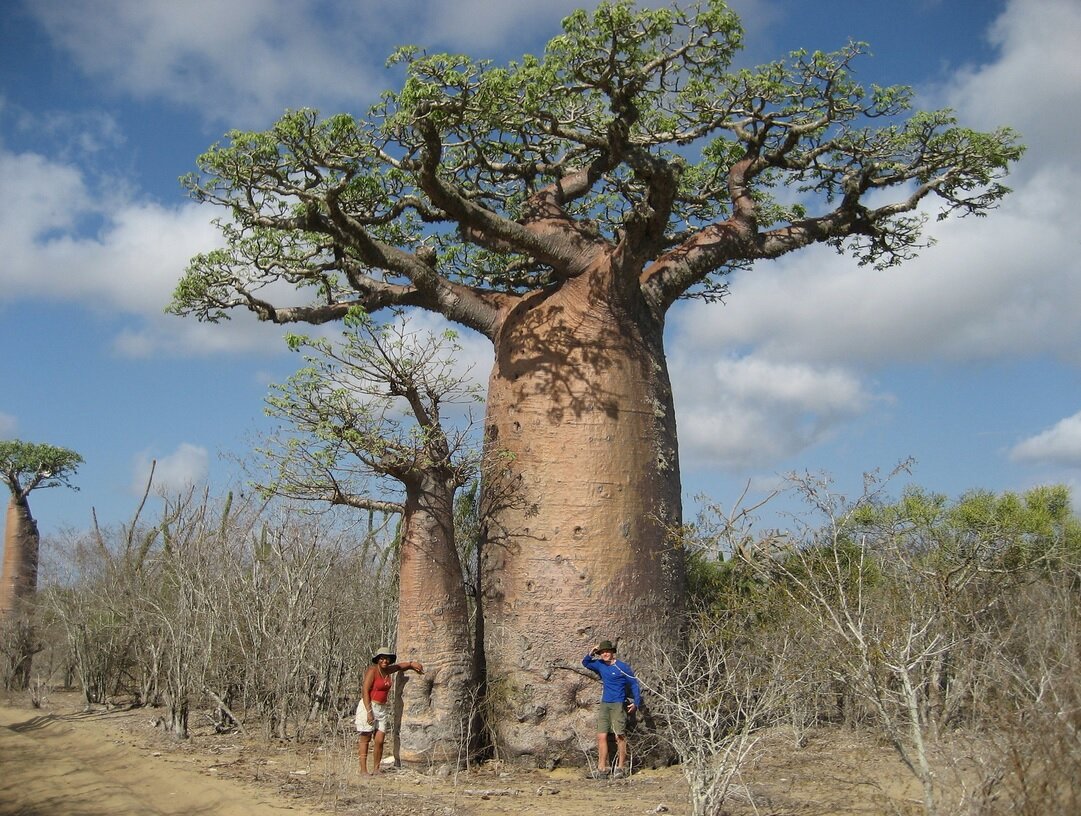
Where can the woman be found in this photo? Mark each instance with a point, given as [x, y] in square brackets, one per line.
[374, 710]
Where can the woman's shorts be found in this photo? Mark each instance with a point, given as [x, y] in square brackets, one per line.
[380, 713]
[611, 718]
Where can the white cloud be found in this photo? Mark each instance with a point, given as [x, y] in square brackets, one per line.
[751, 412]
[1058, 445]
[246, 60]
[805, 327]
[165, 335]
[1004, 286]
[67, 134]
[482, 27]
[243, 60]
[1035, 85]
[476, 26]
[67, 239]
[173, 473]
[8, 423]
[40, 197]
[1000, 287]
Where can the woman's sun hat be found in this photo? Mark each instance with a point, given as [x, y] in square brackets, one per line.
[384, 651]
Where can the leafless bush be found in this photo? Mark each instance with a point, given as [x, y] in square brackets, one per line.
[1033, 761]
[713, 693]
[916, 602]
[88, 608]
[948, 627]
[882, 612]
[19, 642]
[255, 614]
[712, 699]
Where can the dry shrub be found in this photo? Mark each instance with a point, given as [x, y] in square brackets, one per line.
[1033, 767]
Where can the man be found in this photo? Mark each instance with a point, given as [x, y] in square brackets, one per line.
[618, 683]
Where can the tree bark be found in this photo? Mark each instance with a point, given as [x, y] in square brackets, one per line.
[433, 628]
[580, 407]
[20, 572]
[18, 585]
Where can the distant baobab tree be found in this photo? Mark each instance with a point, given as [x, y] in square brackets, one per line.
[25, 467]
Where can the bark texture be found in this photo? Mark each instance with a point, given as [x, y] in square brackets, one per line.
[433, 628]
[20, 573]
[580, 403]
[18, 585]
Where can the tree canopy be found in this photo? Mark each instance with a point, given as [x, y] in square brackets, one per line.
[632, 137]
[27, 466]
[367, 408]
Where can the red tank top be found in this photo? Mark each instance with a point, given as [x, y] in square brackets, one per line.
[380, 688]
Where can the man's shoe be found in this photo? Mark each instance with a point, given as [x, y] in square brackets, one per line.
[618, 773]
[598, 773]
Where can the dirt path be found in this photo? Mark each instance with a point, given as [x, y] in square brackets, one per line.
[59, 764]
[62, 761]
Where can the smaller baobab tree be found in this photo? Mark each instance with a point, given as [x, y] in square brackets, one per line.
[367, 413]
[25, 467]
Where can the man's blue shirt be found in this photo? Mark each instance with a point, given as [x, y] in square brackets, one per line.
[617, 679]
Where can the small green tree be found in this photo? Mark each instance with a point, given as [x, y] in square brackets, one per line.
[25, 467]
[368, 410]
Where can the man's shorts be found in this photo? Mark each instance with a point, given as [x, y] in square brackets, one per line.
[380, 713]
[611, 718]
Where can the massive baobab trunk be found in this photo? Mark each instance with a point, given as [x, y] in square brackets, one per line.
[578, 548]
[20, 575]
[433, 627]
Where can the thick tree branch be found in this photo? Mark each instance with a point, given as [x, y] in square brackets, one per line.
[477, 223]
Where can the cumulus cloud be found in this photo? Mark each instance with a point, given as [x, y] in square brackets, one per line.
[740, 412]
[246, 60]
[1058, 445]
[68, 238]
[485, 28]
[173, 473]
[991, 288]
[68, 135]
[43, 197]
[1034, 87]
[477, 25]
[243, 61]
[806, 330]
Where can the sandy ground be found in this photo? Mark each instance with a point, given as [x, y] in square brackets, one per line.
[56, 764]
[62, 761]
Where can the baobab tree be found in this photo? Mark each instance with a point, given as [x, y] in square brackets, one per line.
[370, 409]
[560, 205]
[25, 467]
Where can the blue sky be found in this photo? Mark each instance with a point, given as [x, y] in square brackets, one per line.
[967, 359]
